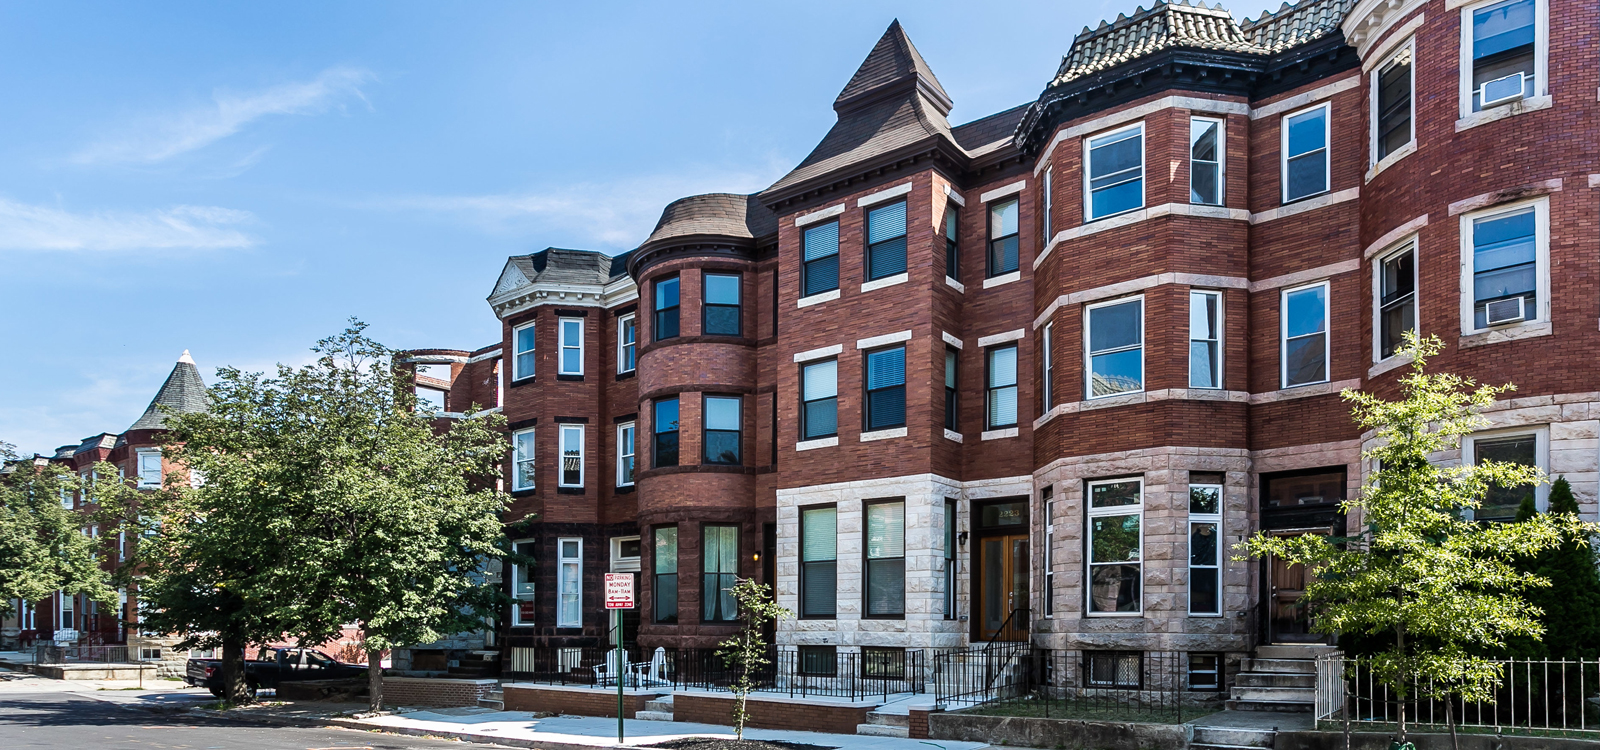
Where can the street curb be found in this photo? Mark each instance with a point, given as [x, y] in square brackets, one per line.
[480, 739]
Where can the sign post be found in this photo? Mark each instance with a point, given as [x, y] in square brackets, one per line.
[619, 596]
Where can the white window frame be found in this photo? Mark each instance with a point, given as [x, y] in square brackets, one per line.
[1541, 243]
[517, 595]
[516, 476]
[1222, 159]
[1088, 196]
[1221, 320]
[141, 455]
[1090, 513]
[1047, 201]
[516, 355]
[620, 564]
[1541, 54]
[66, 610]
[1327, 153]
[1409, 47]
[1088, 360]
[562, 431]
[561, 564]
[1188, 528]
[1541, 434]
[1047, 355]
[626, 449]
[562, 345]
[623, 344]
[1049, 592]
[1407, 245]
[1327, 333]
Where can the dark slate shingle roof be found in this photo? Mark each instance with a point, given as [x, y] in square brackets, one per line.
[720, 214]
[892, 60]
[1167, 25]
[563, 266]
[986, 131]
[184, 393]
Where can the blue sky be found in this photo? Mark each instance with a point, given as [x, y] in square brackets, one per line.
[238, 179]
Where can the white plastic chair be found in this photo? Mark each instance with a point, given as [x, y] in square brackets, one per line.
[655, 673]
[614, 668]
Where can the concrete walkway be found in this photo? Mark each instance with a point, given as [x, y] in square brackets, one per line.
[152, 694]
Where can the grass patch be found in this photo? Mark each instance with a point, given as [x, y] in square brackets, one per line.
[1035, 709]
[1382, 727]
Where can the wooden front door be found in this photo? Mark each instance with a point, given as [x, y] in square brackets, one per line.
[1003, 588]
[1288, 619]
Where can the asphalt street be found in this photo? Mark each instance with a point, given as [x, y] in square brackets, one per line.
[64, 720]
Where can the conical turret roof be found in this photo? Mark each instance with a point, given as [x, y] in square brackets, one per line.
[184, 393]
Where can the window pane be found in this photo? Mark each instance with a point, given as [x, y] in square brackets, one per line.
[1114, 539]
[886, 408]
[886, 530]
[822, 241]
[1115, 154]
[949, 368]
[821, 418]
[1115, 326]
[1203, 364]
[1308, 131]
[666, 293]
[572, 456]
[886, 222]
[886, 586]
[722, 447]
[721, 549]
[1502, 27]
[886, 368]
[666, 553]
[1003, 366]
[1003, 407]
[820, 380]
[820, 588]
[1113, 494]
[1306, 312]
[1503, 241]
[1502, 502]
[822, 275]
[1308, 175]
[1394, 104]
[667, 415]
[1121, 372]
[1305, 360]
[1203, 140]
[1002, 219]
[821, 534]
[1114, 588]
[1203, 182]
[1003, 256]
[887, 258]
[722, 413]
[525, 339]
[1205, 500]
[1203, 544]
[722, 289]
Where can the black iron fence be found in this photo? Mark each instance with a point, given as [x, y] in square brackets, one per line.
[788, 671]
[1017, 679]
[52, 654]
[1535, 695]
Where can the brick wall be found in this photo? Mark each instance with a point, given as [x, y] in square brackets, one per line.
[772, 713]
[441, 693]
[573, 700]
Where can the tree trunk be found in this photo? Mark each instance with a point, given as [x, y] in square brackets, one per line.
[1450, 716]
[234, 684]
[374, 679]
[1403, 693]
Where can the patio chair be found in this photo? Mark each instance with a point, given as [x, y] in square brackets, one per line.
[615, 667]
[653, 674]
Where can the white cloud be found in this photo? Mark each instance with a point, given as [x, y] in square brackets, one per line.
[31, 227]
[616, 214]
[155, 139]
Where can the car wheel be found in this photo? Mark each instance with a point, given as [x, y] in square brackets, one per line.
[216, 692]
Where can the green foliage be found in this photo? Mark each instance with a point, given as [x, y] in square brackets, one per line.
[1571, 604]
[1440, 588]
[746, 653]
[44, 547]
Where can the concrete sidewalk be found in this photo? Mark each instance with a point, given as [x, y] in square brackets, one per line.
[152, 694]
[522, 729]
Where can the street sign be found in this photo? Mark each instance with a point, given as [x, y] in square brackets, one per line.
[619, 591]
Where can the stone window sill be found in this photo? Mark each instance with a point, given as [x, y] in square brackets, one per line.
[952, 435]
[1009, 432]
[827, 442]
[1531, 104]
[817, 299]
[956, 285]
[887, 281]
[1394, 362]
[1511, 333]
[1390, 160]
[1005, 278]
[897, 432]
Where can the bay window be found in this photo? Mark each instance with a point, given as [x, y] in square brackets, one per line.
[666, 307]
[1002, 237]
[952, 241]
[1396, 296]
[1116, 172]
[721, 305]
[1205, 161]
[627, 343]
[1305, 153]
[1116, 347]
[1205, 339]
[522, 360]
[523, 468]
[951, 420]
[1392, 84]
[949, 559]
[569, 583]
[571, 456]
[721, 433]
[571, 344]
[1506, 44]
[1116, 546]
[625, 454]
[666, 574]
[1507, 253]
[1205, 546]
[664, 451]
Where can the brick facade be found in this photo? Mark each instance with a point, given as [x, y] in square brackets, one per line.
[771, 712]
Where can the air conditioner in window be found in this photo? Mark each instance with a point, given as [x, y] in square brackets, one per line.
[1501, 90]
[1503, 311]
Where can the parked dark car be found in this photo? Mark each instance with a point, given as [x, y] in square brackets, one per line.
[271, 667]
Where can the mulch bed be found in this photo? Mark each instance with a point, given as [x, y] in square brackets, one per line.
[717, 743]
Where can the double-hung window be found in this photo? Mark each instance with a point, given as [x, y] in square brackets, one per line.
[1116, 546]
[666, 303]
[721, 308]
[1507, 253]
[1305, 153]
[1396, 296]
[1505, 43]
[523, 607]
[951, 416]
[1047, 368]
[1392, 106]
[886, 558]
[949, 559]
[571, 455]
[625, 454]
[886, 240]
[522, 465]
[664, 452]
[1205, 549]
[569, 583]
[150, 468]
[1047, 201]
[886, 389]
[721, 437]
[721, 563]
[819, 400]
[1116, 172]
[666, 574]
[1002, 387]
[1305, 335]
[1502, 503]
[1002, 237]
[1049, 592]
[627, 343]
[1116, 347]
[819, 269]
[819, 561]
[571, 330]
[952, 241]
[523, 345]
[1205, 339]
[1205, 161]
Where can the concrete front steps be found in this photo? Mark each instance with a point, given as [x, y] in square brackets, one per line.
[495, 700]
[659, 709]
[886, 725]
[1278, 678]
[1231, 738]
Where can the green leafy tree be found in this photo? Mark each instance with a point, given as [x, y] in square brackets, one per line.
[746, 652]
[1445, 588]
[44, 547]
[1571, 604]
